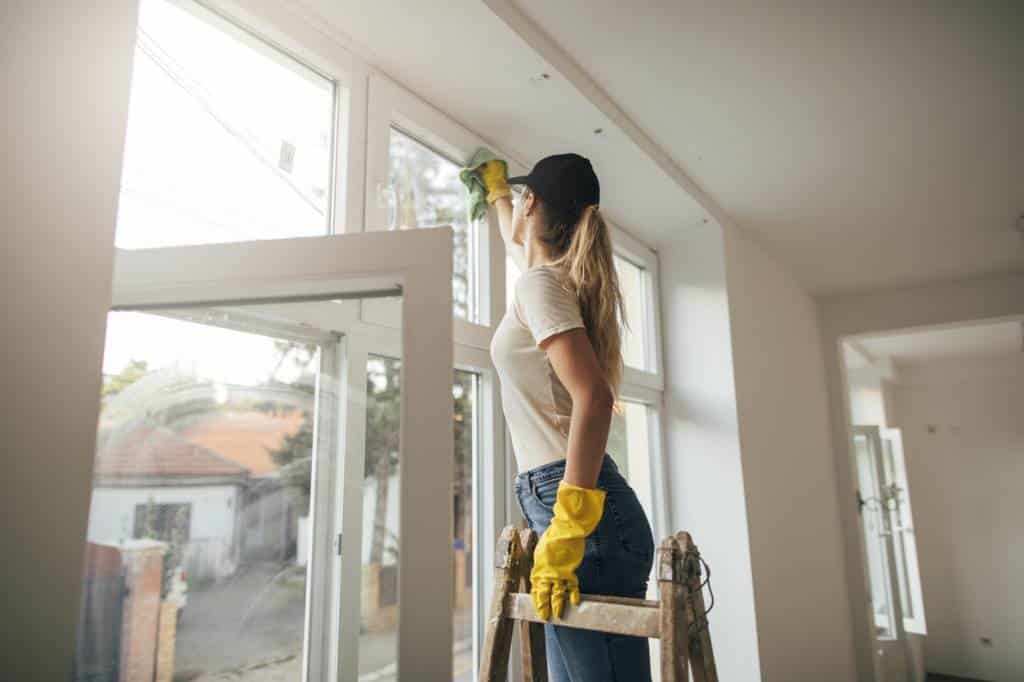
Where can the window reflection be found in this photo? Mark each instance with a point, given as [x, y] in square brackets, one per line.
[428, 192]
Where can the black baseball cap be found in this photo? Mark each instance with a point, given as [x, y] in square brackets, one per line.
[565, 182]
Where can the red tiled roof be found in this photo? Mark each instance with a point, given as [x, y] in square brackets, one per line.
[245, 437]
[149, 449]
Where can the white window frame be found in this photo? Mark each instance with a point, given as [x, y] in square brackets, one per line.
[647, 386]
[368, 104]
[390, 105]
[631, 249]
[278, 25]
[416, 264]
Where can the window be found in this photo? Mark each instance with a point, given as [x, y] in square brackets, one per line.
[427, 192]
[465, 391]
[630, 446]
[634, 294]
[167, 522]
[381, 503]
[202, 489]
[511, 275]
[228, 138]
[231, 139]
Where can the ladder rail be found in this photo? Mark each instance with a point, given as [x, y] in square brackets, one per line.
[677, 618]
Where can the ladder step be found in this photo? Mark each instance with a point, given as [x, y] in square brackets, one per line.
[616, 615]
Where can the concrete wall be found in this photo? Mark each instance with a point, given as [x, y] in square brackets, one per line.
[839, 317]
[702, 439]
[967, 486]
[65, 77]
[796, 550]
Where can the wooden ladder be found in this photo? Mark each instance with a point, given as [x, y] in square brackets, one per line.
[677, 618]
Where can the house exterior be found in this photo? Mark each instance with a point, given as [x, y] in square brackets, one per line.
[149, 480]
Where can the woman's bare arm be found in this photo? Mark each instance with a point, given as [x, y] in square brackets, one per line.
[574, 361]
[513, 242]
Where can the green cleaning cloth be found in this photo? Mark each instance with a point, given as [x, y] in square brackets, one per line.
[475, 184]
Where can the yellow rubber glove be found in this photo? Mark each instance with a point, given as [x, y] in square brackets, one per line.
[560, 549]
[494, 175]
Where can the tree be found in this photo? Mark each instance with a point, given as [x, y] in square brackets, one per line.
[112, 385]
[382, 441]
[294, 456]
[428, 192]
[464, 395]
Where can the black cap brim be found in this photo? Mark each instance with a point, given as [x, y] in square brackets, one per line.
[518, 180]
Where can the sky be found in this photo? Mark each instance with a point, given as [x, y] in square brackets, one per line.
[209, 353]
[227, 140]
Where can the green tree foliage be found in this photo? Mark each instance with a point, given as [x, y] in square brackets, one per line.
[294, 456]
[428, 192]
[383, 396]
[133, 371]
[464, 393]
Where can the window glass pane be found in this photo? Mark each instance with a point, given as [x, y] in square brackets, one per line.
[378, 646]
[629, 446]
[427, 192]
[228, 138]
[380, 517]
[631, 282]
[511, 275]
[196, 558]
[464, 391]
[877, 551]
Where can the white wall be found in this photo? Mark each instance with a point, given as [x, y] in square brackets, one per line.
[839, 317]
[212, 515]
[803, 620]
[706, 486]
[868, 392]
[64, 70]
[967, 485]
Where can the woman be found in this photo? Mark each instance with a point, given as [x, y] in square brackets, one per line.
[558, 353]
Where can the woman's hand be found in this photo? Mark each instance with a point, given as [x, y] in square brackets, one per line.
[560, 550]
[494, 175]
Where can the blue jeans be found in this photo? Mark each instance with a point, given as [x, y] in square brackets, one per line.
[617, 560]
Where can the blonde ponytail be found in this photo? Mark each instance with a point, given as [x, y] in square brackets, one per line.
[589, 267]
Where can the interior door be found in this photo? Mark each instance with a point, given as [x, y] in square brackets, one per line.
[891, 652]
[901, 520]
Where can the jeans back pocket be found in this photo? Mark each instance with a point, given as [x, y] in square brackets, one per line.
[545, 493]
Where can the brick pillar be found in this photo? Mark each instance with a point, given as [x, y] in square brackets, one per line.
[144, 564]
[166, 635]
[461, 568]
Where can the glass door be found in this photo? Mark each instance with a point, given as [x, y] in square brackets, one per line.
[901, 520]
[261, 498]
[887, 631]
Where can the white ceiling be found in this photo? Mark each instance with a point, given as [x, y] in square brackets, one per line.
[867, 146]
[976, 340]
[459, 57]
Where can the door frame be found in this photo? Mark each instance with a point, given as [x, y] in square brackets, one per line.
[416, 264]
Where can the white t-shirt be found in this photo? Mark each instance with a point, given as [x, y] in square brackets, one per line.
[537, 405]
